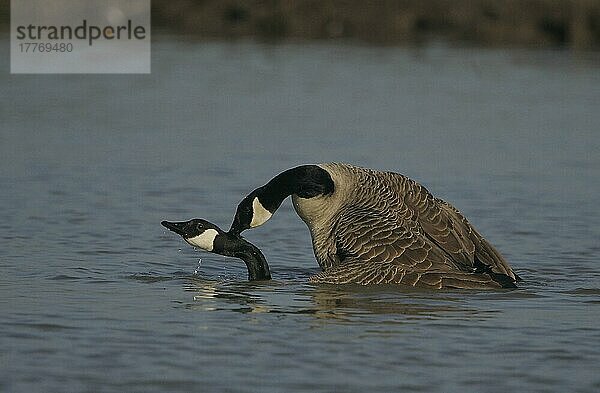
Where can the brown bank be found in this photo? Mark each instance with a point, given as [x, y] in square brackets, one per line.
[570, 23]
[532, 23]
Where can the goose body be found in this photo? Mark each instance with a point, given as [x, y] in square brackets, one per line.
[373, 227]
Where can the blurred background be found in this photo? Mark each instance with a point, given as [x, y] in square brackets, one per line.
[532, 23]
[571, 23]
[492, 105]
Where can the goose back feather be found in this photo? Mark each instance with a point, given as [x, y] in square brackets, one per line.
[382, 227]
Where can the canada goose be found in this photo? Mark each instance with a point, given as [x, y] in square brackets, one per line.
[372, 227]
[209, 237]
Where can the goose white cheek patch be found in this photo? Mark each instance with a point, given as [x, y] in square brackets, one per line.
[205, 240]
[260, 215]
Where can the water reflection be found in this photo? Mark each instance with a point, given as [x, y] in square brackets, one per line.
[212, 295]
[346, 303]
[388, 301]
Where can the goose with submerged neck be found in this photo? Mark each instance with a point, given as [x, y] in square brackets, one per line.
[209, 237]
[373, 227]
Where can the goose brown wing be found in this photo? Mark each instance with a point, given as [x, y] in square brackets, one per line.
[374, 248]
[377, 238]
[356, 271]
[445, 230]
[453, 233]
[486, 257]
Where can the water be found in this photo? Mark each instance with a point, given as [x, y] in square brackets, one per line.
[96, 296]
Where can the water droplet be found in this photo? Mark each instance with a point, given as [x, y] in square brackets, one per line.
[197, 270]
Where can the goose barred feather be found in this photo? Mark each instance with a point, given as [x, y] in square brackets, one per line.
[382, 227]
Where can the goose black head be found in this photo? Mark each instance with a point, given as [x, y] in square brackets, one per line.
[196, 232]
[251, 212]
[209, 237]
[305, 181]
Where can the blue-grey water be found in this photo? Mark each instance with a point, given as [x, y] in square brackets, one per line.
[96, 296]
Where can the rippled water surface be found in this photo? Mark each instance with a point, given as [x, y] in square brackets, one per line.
[96, 296]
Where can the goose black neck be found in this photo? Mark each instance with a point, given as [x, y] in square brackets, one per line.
[258, 268]
[233, 245]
